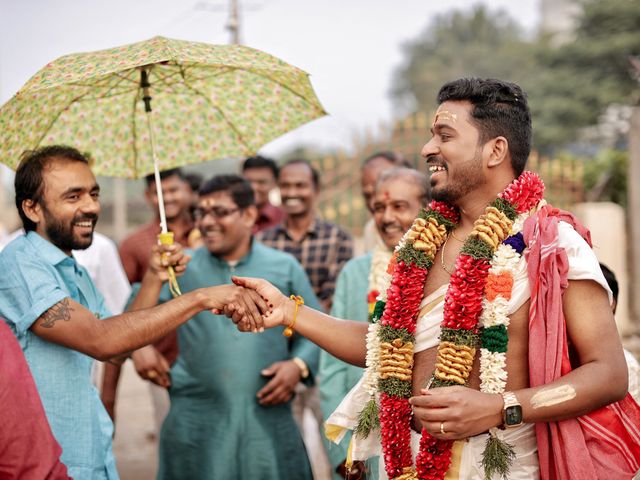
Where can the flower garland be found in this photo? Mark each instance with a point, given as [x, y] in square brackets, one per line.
[379, 278]
[460, 330]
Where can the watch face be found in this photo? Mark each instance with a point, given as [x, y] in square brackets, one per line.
[513, 415]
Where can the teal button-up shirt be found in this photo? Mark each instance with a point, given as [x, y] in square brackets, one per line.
[35, 276]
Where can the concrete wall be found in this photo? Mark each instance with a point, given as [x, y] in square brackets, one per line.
[607, 223]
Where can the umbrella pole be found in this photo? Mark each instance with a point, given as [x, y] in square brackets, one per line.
[165, 237]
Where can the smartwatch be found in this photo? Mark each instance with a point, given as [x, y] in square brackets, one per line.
[512, 411]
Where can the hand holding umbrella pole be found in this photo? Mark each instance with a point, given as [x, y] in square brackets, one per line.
[165, 237]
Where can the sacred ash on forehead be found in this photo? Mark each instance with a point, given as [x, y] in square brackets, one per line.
[444, 116]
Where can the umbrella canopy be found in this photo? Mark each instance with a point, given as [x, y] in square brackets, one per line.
[208, 101]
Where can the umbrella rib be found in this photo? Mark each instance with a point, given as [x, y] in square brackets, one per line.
[122, 79]
[134, 135]
[229, 123]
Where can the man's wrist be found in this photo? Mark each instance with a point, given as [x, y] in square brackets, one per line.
[152, 279]
[206, 299]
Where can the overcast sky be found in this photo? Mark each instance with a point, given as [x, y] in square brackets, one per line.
[349, 47]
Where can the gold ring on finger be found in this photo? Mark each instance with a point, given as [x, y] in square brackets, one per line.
[442, 430]
[152, 374]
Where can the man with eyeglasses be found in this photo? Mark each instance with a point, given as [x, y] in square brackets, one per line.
[231, 393]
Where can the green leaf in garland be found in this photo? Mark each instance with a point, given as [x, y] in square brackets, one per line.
[426, 214]
[387, 333]
[368, 419]
[408, 254]
[477, 249]
[505, 207]
[437, 383]
[395, 386]
[497, 457]
[378, 310]
[495, 339]
[460, 337]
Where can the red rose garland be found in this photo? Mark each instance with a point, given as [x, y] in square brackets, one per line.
[460, 329]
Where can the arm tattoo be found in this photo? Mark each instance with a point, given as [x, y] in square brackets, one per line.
[60, 311]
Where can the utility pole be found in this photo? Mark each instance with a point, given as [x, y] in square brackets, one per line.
[633, 192]
[233, 24]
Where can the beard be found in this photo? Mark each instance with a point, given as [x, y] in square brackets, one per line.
[465, 178]
[61, 234]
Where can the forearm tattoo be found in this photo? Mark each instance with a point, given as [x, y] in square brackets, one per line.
[60, 311]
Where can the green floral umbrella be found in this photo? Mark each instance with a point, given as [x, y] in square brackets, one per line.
[209, 102]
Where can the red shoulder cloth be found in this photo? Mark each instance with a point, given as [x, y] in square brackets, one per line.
[604, 444]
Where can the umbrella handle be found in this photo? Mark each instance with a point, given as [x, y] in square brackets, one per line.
[166, 238]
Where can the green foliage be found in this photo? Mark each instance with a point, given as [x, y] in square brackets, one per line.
[394, 386]
[481, 43]
[505, 207]
[569, 86]
[408, 254]
[605, 177]
[368, 419]
[477, 249]
[497, 457]
[389, 334]
[459, 337]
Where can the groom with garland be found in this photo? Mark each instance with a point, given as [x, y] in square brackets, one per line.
[494, 339]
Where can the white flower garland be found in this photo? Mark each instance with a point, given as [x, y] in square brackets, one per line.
[493, 365]
[370, 377]
[379, 278]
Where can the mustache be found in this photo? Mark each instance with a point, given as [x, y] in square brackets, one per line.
[434, 158]
[84, 217]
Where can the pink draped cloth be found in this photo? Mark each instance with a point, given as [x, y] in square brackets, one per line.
[604, 444]
[28, 449]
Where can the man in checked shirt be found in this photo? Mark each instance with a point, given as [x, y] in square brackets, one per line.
[321, 247]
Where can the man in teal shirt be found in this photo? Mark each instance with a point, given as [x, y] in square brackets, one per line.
[399, 195]
[230, 414]
[59, 317]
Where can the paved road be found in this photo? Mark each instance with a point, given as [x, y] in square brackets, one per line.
[134, 446]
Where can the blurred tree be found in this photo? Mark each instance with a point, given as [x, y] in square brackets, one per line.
[605, 177]
[578, 81]
[569, 86]
[480, 43]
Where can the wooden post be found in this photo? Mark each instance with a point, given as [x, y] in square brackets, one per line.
[633, 193]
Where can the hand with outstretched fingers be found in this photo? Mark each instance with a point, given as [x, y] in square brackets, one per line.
[285, 375]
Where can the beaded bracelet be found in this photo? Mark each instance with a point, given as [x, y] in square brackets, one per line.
[299, 301]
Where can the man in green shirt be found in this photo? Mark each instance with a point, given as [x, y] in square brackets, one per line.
[230, 414]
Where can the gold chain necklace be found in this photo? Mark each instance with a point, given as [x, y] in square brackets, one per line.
[444, 266]
[450, 272]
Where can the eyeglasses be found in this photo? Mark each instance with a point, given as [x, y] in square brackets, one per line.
[216, 212]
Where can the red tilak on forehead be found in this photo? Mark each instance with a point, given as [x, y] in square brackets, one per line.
[386, 195]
